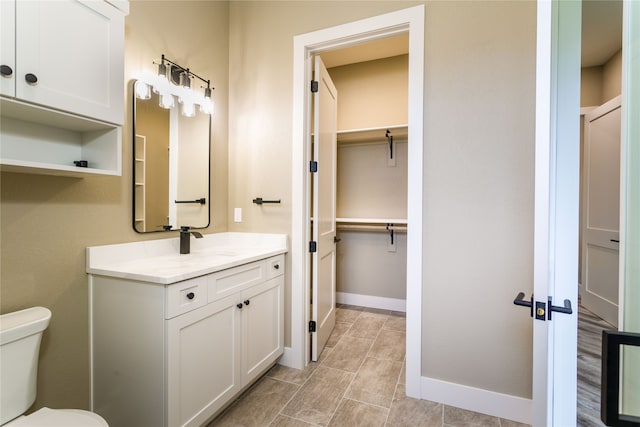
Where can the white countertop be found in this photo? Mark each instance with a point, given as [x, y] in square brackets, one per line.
[160, 261]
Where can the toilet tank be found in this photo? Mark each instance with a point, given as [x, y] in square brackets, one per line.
[20, 336]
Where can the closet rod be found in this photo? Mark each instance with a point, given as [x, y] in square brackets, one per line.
[380, 228]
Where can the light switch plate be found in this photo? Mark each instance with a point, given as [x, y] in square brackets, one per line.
[237, 214]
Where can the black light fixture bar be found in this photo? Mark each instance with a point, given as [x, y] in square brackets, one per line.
[188, 72]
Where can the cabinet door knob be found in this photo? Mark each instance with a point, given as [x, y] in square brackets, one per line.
[276, 266]
[239, 305]
[247, 302]
[191, 295]
[5, 70]
[31, 78]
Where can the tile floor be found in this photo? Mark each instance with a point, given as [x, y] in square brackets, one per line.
[358, 381]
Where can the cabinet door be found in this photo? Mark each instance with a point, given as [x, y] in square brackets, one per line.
[7, 47]
[75, 50]
[262, 327]
[203, 362]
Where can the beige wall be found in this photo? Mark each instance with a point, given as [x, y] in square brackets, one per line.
[372, 93]
[612, 77]
[479, 137]
[601, 83]
[47, 221]
[591, 86]
[478, 201]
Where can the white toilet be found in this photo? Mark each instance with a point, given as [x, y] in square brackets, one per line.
[20, 335]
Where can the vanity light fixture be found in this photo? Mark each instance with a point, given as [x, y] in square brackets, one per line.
[174, 80]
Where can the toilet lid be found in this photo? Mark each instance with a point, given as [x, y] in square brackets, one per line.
[46, 417]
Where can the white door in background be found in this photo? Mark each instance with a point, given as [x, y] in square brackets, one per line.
[557, 179]
[601, 210]
[325, 153]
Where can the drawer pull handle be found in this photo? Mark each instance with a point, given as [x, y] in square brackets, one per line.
[191, 295]
[276, 266]
[239, 305]
[5, 70]
[247, 302]
[31, 78]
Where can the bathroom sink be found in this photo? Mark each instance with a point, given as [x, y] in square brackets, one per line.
[160, 261]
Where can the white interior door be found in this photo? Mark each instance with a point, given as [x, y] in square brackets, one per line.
[601, 211]
[557, 157]
[630, 251]
[324, 209]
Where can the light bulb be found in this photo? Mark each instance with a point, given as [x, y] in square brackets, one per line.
[142, 90]
[207, 106]
[161, 79]
[188, 109]
[166, 101]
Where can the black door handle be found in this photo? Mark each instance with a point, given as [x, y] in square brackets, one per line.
[566, 309]
[541, 307]
[520, 301]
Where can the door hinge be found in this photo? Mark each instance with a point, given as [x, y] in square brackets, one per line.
[312, 326]
[313, 247]
[313, 166]
[314, 86]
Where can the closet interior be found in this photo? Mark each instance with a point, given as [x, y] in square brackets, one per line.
[371, 205]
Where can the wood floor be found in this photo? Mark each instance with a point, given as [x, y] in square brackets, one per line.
[359, 381]
[590, 329]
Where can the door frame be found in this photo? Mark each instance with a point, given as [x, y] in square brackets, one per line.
[409, 21]
[557, 189]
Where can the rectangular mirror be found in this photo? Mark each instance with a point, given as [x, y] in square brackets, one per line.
[171, 167]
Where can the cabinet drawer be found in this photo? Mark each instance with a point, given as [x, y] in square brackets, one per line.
[227, 282]
[186, 296]
[275, 266]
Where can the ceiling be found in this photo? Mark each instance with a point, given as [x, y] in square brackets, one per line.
[601, 30]
[601, 38]
[377, 49]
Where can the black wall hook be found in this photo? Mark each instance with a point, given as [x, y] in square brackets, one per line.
[260, 201]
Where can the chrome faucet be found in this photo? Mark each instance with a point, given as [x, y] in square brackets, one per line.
[185, 239]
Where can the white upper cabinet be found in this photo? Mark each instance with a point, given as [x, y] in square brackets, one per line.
[7, 47]
[62, 86]
[68, 55]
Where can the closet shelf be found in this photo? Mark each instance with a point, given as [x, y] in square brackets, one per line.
[376, 134]
[373, 221]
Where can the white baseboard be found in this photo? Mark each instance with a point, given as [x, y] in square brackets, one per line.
[478, 400]
[383, 303]
[290, 359]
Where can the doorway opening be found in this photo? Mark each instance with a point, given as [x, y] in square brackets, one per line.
[601, 76]
[363, 206]
[409, 21]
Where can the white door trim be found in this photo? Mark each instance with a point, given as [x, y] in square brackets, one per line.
[557, 171]
[409, 20]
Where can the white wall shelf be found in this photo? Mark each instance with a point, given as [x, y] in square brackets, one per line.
[140, 156]
[40, 140]
[371, 135]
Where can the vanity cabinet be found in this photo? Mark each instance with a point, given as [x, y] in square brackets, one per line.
[188, 347]
[62, 84]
